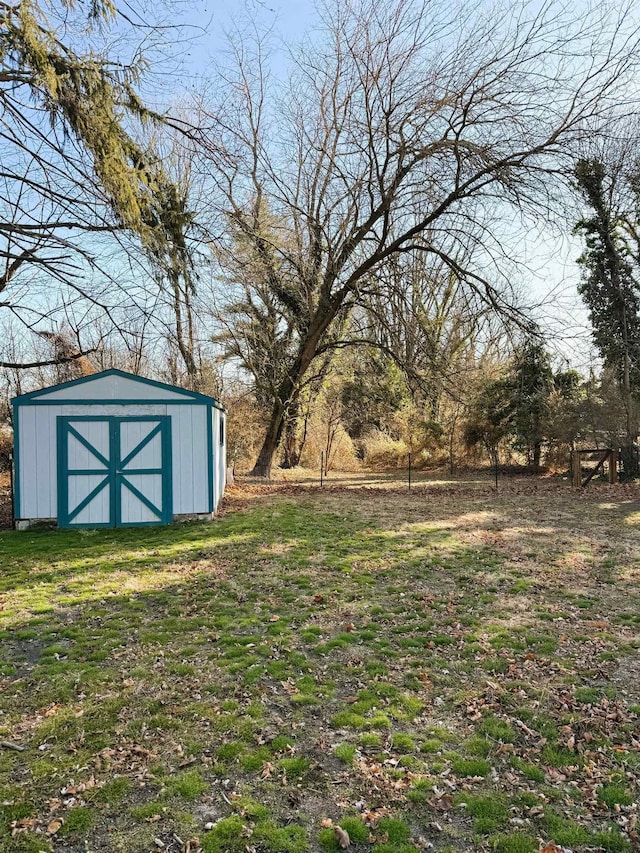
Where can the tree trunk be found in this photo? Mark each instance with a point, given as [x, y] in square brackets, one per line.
[452, 433]
[537, 453]
[629, 458]
[289, 389]
[262, 468]
[290, 446]
[291, 452]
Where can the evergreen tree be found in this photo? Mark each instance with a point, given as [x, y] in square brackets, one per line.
[515, 407]
[610, 284]
[71, 166]
[528, 386]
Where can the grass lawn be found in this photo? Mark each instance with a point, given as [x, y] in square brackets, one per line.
[360, 669]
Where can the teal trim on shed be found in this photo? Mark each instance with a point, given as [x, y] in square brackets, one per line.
[190, 396]
[114, 455]
[115, 471]
[16, 462]
[167, 464]
[120, 401]
[210, 456]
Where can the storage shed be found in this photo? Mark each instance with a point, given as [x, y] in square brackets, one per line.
[117, 450]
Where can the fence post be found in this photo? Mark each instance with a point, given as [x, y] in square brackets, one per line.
[613, 466]
[577, 468]
[321, 468]
[409, 470]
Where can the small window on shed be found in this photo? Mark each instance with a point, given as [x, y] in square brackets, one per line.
[221, 430]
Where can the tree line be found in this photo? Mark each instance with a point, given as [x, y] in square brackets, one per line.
[330, 242]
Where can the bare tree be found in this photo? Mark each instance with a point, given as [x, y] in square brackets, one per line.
[404, 126]
[421, 315]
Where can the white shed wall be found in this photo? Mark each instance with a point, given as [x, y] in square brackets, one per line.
[219, 456]
[189, 455]
[37, 464]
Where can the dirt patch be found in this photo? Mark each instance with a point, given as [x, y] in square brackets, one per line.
[627, 679]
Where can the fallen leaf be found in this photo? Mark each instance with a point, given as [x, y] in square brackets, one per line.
[443, 803]
[372, 818]
[54, 825]
[342, 837]
[22, 825]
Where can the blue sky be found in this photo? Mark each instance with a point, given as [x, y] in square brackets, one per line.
[207, 21]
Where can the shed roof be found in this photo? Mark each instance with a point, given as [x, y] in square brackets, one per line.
[114, 387]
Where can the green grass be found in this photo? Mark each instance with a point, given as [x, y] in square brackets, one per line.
[530, 771]
[611, 840]
[615, 794]
[77, 821]
[515, 842]
[489, 812]
[492, 727]
[294, 767]
[227, 836]
[345, 752]
[470, 766]
[354, 827]
[478, 746]
[563, 830]
[396, 830]
[146, 671]
[189, 785]
[403, 743]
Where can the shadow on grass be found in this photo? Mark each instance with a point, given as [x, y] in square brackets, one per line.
[39, 570]
[203, 640]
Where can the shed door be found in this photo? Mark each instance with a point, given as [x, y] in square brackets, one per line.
[114, 472]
